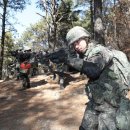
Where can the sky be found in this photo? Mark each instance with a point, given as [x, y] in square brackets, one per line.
[27, 17]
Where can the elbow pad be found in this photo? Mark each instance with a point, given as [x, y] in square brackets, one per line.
[91, 70]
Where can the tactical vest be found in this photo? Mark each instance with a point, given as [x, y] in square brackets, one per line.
[114, 78]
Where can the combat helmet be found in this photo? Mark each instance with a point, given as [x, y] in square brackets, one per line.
[76, 33]
[20, 48]
[26, 48]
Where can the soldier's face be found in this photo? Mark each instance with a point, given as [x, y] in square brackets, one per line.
[80, 45]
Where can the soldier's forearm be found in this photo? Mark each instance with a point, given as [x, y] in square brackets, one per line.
[91, 70]
[88, 68]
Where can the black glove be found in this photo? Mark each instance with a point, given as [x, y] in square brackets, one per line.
[62, 55]
[59, 56]
[88, 68]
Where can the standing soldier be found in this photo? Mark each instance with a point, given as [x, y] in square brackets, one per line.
[108, 71]
[18, 56]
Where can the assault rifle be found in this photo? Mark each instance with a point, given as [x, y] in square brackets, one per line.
[22, 56]
[59, 56]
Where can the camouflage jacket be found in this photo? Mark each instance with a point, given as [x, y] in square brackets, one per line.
[114, 74]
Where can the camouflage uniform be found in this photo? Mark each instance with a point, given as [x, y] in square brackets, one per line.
[107, 109]
[19, 60]
[108, 71]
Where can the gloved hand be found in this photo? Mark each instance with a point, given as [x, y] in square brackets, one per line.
[59, 56]
[76, 63]
[62, 55]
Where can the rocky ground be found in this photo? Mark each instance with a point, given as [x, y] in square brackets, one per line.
[44, 106]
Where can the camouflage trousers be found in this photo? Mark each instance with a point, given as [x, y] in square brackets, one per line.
[99, 118]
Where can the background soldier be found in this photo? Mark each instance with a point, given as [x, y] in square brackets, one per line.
[19, 60]
[23, 65]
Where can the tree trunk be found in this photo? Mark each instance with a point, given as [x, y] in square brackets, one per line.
[54, 23]
[98, 23]
[92, 23]
[3, 38]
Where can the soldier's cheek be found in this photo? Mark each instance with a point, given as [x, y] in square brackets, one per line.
[128, 95]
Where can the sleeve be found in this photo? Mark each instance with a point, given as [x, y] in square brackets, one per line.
[92, 66]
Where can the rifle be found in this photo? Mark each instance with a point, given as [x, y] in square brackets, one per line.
[13, 53]
[60, 55]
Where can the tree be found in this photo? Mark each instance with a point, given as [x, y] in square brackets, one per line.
[121, 24]
[7, 6]
[59, 17]
[98, 23]
[35, 36]
[66, 19]
[50, 7]
[39, 31]
[9, 45]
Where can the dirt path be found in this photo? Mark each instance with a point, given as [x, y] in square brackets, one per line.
[42, 107]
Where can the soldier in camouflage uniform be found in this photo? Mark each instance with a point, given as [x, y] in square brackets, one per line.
[108, 71]
[18, 56]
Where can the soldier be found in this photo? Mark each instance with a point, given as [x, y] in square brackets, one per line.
[19, 59]
[21, 55]
[108, 71]
[25, 66]
[27, 53]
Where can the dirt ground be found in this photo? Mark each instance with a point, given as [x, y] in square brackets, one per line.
[44, 106]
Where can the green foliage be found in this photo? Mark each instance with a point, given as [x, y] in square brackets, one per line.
[34, 36]
[65, 19]
[9, 41]
[9, 45]
[17, 4]
[8, 7]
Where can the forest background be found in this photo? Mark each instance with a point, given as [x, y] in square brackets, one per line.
[107, 20]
